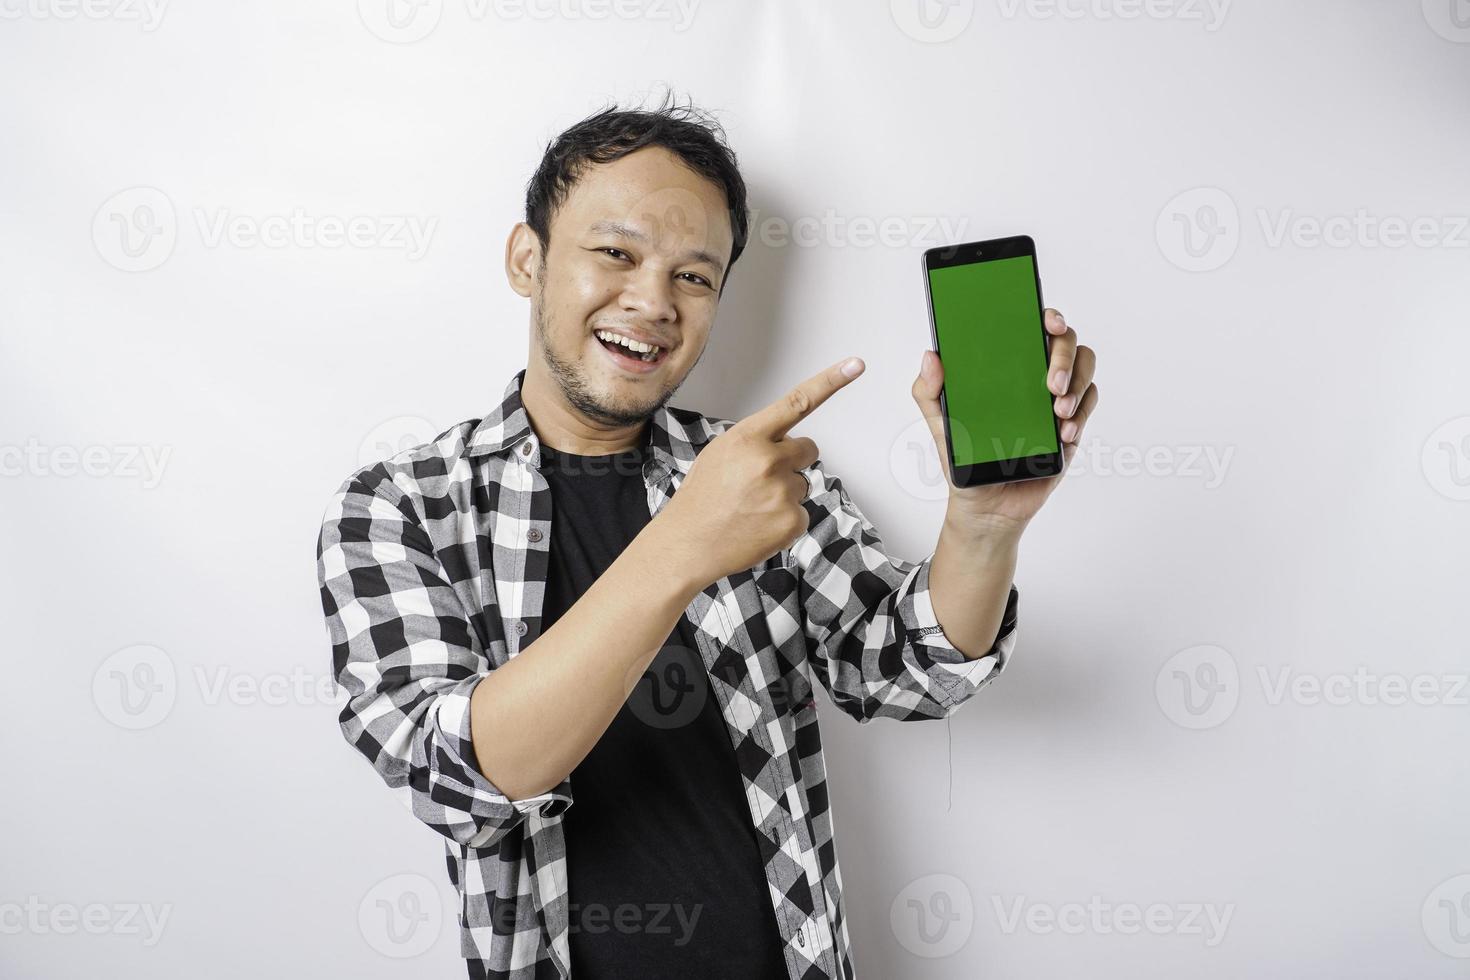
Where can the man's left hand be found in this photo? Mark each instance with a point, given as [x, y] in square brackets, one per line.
[1008, 507]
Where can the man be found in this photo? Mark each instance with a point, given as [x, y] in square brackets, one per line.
[580, 636]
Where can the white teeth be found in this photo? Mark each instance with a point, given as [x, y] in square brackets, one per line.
[636, 346]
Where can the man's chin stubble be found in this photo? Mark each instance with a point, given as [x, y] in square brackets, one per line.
[575, 390]
[604, 415]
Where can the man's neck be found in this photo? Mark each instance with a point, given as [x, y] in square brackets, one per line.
[558, 425]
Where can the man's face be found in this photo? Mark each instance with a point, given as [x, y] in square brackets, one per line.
[638, 250]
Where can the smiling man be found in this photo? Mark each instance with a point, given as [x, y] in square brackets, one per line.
[580, 636]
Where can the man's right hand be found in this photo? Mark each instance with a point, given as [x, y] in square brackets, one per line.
[741, 501]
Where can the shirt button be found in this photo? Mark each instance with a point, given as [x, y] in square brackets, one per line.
[533, 535]
[521, 627]
[525, 449]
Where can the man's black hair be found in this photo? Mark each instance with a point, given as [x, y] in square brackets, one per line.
[690, 133]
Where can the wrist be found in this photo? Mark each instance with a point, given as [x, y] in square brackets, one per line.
[985, 532]
[666, 550]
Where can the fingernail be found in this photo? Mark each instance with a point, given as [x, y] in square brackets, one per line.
[851, 367]
[1069, 430]
[1059, 381]
[1066, 406]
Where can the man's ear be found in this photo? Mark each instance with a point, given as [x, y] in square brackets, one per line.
[522, 258]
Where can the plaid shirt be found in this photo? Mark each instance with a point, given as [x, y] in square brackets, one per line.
[433, 569]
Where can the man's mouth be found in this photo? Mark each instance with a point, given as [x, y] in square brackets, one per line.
[628, 348]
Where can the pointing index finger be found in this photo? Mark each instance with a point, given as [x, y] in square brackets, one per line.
[778, 417]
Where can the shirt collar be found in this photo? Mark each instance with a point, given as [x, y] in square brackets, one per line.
[674, 435]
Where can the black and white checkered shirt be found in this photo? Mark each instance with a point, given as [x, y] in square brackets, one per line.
[433, 569]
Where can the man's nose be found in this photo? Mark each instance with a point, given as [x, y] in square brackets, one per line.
[650, 295]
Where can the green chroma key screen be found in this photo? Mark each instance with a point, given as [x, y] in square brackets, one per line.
[988, 323]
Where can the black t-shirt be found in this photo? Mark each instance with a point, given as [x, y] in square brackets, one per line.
[665, 876]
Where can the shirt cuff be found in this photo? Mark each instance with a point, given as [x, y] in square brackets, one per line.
[461, 765]
[924, 631]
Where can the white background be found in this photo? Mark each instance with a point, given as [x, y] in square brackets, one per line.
[1329, 379]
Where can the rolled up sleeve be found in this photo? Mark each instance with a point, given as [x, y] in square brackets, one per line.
[872, 634]
[404, 651]
[957, 676]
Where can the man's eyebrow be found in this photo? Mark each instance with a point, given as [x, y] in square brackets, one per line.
[633, 234]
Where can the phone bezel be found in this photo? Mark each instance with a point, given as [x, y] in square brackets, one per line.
[1001, 470]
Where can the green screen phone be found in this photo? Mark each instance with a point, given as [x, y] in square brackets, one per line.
[985, 317]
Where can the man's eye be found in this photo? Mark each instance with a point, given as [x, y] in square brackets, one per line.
[699, 279]
[616, 253]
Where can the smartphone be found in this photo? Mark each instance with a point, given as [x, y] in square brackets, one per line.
[985, 320]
